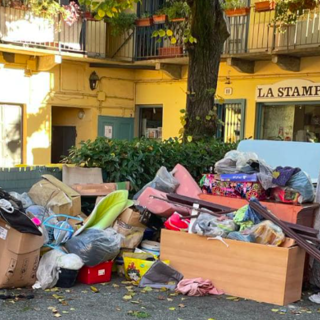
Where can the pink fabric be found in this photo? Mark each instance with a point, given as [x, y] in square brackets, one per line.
[197, 287]
[188, 186]
[159, 207]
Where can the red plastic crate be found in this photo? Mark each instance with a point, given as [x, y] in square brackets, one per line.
[98, 274]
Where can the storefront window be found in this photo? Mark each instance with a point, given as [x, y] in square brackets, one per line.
[291, 122]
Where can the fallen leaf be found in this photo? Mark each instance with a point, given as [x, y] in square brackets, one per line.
[169, 299]
[148, 289]
[182, 299]
[72, 309]
[163, 289]
[68, 291]
[118, 309]
[135, 302]
[274, 310]
[65, 312]
[232, 298]
[127, 297]
[172, 308]
[181, 305]
[36, 309]
[94, 289]
[51, 308]
[211, 319]
[126, 282]
[115, 285]
[129, 288]
[161, 298]
[54, 289]
[57, 315]
[84, 291]
[64, 303]
[282, 313]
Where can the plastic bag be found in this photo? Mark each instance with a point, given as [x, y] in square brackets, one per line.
[267, 232]
[132, 235]
[24, 198]
[70, 261]
[235, 161]
[48, 270]
[41, 213]
[163, 181]
[301, 182]
[211, 226]
[95, 246]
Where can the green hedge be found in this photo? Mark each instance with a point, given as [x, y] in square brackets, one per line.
[137, 161]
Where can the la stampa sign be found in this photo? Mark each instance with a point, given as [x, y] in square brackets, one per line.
[289, 90]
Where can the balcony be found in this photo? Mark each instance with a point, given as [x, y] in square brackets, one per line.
[252, 37]
[20, 28]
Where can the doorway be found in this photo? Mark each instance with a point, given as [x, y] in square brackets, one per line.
[150, 122]
[63, 138]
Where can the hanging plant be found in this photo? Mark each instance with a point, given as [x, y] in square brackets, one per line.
[122, 23]
[288, 12]
[72, 13]
[47, 9]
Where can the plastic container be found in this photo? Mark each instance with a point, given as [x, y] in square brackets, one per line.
[98, 274]
[151, 247]
[67, 278]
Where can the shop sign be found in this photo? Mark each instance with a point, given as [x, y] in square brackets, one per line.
[289, 90]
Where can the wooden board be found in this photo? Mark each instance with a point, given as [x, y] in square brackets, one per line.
[247, 270]
[301, 214]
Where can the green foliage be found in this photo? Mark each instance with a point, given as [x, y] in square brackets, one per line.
[288, 12]
[146, 15]
[233, 4]
[48, 9]
[138, 161]
[176, 9]
[122, 23]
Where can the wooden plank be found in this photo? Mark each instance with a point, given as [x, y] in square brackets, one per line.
[246, 270]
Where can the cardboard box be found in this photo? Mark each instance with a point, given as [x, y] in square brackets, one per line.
[19, 256]
[131, 218]
[60, 198]
[247, 270]
[100, 189]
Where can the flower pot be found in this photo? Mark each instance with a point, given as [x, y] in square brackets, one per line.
[159, 19]
[144, 22]
[178, 20]
[238, 12]
[264, 6]
[169, 52]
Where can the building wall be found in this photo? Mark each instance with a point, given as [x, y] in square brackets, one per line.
[67, 86]
[156, 88]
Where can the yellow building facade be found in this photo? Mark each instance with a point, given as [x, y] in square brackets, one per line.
[271, 91]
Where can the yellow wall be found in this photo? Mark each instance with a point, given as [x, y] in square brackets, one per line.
[65, 86]
[156, 88]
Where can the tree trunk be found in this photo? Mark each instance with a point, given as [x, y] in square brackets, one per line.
[208, 26]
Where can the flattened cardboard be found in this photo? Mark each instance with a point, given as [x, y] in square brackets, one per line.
[78, 175]
[102, 189]
[56, 195]
[19, 256]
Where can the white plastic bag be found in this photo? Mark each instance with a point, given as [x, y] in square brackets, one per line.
[70, 261]
[48, 270]
[163, 181]
[24, 198]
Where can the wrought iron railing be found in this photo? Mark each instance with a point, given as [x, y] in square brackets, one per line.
[252, 34]
[20, 27]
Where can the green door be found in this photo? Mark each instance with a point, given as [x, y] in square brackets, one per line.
[115, 127]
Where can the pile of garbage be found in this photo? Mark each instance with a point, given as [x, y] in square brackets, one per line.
[46, 241]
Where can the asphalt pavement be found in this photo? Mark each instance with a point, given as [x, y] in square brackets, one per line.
[120, 300]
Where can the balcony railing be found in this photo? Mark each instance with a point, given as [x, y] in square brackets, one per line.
[254, 34]
[20, 27]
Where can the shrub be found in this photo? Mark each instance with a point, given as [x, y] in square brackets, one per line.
[138, 161]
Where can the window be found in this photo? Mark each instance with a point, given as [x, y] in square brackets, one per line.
[231, 115]
[10, 135]
[290, 122]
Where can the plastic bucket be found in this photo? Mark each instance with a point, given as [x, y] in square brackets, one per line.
[151, 247]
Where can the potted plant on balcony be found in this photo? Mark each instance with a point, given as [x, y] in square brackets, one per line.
[49, 9]
[72, 13]
[263, 6]
[160, 16]
[288, 12]
[234, 8]
[177, 11]
[122, 23]
[145, 20]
